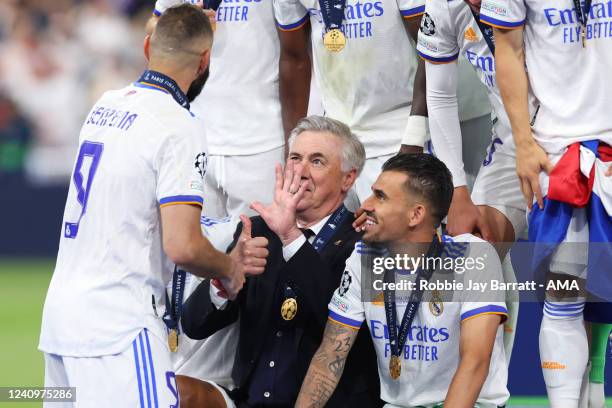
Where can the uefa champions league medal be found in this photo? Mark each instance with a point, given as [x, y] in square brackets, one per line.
[173, 340]
[334, 40]
[289, 309]
[332, 12]
[398, 336]
[395, 367]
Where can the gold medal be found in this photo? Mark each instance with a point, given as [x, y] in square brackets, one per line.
[334, 40]
[289, 309]
[395, 367]
[173, 340]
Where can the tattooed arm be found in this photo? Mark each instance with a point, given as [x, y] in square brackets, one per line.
[327, 365]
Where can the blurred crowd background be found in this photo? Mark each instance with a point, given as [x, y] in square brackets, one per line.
[56, 59]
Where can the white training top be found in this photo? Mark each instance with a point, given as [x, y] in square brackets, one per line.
[367, 85]
[570, 82]
[240, 100]
[451, 30]
[140, 150]
[431, 352]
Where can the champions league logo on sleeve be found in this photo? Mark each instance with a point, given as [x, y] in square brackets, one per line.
[427, 25]
[200, 164]
[345, 283]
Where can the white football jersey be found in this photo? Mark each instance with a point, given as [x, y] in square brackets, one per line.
[569, 82]
[240, 101]
[139, 151]
[431, 353]
[451, 30]
[367, 85]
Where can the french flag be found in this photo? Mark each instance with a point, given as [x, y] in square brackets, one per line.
[578, 181]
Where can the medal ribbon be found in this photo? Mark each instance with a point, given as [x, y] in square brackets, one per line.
[161, 81]
[328, 231]
[332, 12]
[174, 308]
[398, 340]
[583, 14]
[487, 31]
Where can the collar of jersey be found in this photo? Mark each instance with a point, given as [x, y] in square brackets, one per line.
[163, 83]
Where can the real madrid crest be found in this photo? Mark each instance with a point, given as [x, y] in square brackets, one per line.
[436, 305]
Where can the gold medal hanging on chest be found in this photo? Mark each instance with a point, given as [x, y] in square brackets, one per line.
[173, 340]
[289, 309]
[334, 40]
[395, 367]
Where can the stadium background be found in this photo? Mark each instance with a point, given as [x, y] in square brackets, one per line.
[56, 57]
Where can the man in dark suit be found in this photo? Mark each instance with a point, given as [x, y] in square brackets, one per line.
[283, 311]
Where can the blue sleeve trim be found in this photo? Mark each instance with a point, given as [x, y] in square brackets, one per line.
[438, 59]
[293, 26]
[488, 309]
[157, 13]
[344, 320]
[187, 199]
[499, 23]
[413, 12]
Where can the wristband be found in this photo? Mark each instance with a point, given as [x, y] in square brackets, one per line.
[417, 131]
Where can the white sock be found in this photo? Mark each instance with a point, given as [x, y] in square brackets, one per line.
[564, 352]
[597, 395]
[512, 303]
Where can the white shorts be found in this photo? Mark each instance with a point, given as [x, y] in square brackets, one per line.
[141, 376]
[497, 184]
[233, 182]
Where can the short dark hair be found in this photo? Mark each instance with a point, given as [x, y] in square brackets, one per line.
[428, 177]
[179, 26]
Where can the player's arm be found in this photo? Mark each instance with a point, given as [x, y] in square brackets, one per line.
[294, 75]
[416, 131]
[475, 347]
[513, 85]
[186, 246]
[463, 215]
[327, 365]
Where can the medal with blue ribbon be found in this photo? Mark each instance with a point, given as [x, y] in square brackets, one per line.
[397, 339]
[157, 80]
[333, 15]
[289, 307]
[174, 307]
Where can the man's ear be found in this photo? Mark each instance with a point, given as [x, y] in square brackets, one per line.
[348, 180]
[147, 47]
[416, 215]
[204, 61]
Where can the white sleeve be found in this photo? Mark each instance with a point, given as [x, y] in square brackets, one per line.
[437, 40]
[508, 14]
[411, 8]
[443, 113]
[290, 14]
[180, 167]
[346, 306]
[163, 5]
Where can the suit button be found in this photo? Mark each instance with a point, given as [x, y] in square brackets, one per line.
[252, 361]
[267, 394]
[271, 363]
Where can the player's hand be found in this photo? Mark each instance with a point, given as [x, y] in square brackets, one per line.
[465, 218]
[280, 214]
[210, 13]
[360, 218]
[531, 159]
[406, 149]
[248, 258]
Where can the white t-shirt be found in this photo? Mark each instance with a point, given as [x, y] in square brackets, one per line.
[139, 151]
[240, 101]
[569, 82]
[431, 352]
[367, 85]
